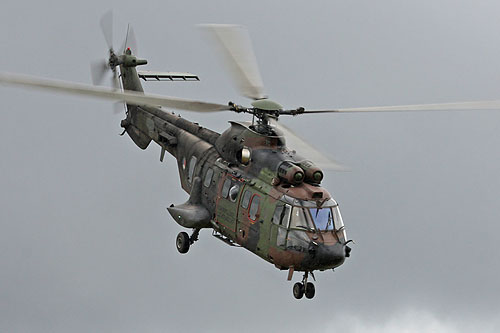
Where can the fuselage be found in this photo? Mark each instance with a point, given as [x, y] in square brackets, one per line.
[245, 185]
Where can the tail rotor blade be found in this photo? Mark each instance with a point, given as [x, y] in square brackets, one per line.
[130, 41]
[235, 44]
[107, 28]
[98, 70]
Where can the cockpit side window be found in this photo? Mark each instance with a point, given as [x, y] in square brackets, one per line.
[300, 219]
[285, 216]
[281, 218]
[339, 224]
[282, 215]
[277, 214]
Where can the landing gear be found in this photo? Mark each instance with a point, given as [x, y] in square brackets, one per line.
[304, 288]
[184, 241]
[310, 290]
[298, 290]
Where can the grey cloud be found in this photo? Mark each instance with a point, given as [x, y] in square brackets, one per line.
[86, 243]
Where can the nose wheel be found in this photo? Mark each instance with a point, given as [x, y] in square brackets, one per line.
[184, 241]
[304, 288]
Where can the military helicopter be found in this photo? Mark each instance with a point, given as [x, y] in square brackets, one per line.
[246, 184]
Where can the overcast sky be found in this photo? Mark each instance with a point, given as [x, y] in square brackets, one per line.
[86, 243]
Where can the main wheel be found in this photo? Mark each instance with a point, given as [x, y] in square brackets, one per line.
[182, 242]
[298, 290]
[310, 290]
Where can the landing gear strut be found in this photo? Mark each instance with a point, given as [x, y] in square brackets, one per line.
[304, 288]
[184, 241]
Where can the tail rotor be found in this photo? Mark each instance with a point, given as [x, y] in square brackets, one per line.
[99, 69]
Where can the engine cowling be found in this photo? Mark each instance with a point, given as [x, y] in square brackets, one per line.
[291, 173]
[313, 174]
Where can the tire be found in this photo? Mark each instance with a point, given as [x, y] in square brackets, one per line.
[310, 290]
[182, 242]
[298, 290]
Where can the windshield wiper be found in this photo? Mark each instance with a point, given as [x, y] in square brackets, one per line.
[307, 228]
[329, 222]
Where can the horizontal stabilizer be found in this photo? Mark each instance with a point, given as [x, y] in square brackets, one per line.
[167, 76]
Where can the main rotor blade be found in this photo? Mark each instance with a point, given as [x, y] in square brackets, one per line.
[307, 151]
[107, 28]
[235, 44]
[458, 106]
[131, 97]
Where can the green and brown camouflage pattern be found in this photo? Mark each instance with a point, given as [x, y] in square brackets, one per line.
[223, 202]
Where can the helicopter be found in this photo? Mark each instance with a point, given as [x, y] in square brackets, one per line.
[245, 184]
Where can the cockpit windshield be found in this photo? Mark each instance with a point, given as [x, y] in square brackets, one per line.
[322, 218]
[311, 216]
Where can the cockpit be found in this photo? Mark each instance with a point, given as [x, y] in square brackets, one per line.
[298, 219]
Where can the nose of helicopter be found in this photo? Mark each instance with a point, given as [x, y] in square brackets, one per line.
[321, 256]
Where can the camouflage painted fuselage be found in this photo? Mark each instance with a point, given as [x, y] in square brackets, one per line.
[240, 182]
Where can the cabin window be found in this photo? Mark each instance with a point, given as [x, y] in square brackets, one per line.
[208, 177]
[192, 165]
[233, 192]
[254, 207]
[246, 199]
[226, 187]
